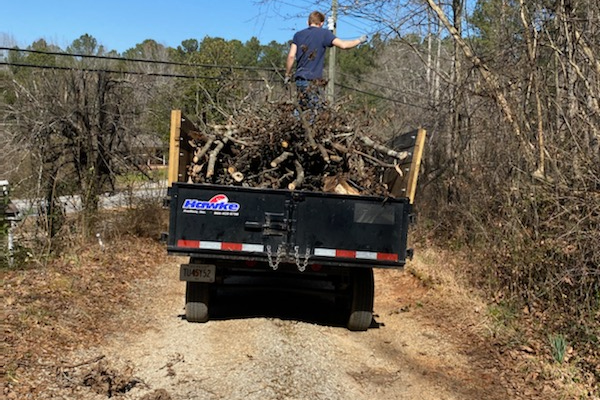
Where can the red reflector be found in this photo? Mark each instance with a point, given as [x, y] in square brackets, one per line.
[345, 253]
[188, 243]
[231, 246]
[316, 267]
[387, 256]
[251, 263]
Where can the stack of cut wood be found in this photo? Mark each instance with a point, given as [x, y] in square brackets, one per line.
[280, 148]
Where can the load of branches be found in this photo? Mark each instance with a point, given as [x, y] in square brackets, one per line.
[281, 147]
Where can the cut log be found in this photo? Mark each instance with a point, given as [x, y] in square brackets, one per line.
[281, 158]
[299, 176]
[202, 152]
[235, 174]
[274, 148]
[310, 136]
[345, 188]
[212, 159]
[384, 150]
[374, 160]
[324, 153]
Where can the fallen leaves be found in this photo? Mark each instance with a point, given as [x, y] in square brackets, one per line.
[67, 304]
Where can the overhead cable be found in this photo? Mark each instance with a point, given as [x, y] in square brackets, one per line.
[114, 71]
[141, 60]
[166, 75]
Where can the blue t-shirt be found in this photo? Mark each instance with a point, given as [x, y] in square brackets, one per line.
[310, 55]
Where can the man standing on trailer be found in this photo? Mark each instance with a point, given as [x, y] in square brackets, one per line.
[308, 52]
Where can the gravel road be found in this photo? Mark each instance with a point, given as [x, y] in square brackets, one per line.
[270, 347]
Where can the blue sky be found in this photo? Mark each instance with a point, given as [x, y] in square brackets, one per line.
[121, 24]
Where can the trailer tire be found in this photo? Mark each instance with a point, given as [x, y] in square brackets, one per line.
[197, 297]
[363, 290]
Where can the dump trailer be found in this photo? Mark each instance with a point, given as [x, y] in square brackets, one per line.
[228, 231]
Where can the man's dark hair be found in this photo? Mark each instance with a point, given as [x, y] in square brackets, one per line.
[316, 17]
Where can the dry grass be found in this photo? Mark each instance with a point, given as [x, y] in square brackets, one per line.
[516, 338]
[69, 303]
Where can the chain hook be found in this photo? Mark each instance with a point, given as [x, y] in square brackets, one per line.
[278, 256]
[301, 265]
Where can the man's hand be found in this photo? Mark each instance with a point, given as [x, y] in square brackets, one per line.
[286, 80]
[362, 39]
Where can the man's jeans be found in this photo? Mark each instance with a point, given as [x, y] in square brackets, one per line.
[310, 96]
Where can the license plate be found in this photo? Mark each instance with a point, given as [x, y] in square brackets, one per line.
[197, 273]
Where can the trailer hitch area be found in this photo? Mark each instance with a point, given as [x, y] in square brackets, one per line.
[275, 225]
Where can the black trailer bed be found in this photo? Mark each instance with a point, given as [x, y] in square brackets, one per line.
[282, 226]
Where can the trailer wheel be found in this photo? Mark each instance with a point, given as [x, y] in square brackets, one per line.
[197, 296]
[363, 290]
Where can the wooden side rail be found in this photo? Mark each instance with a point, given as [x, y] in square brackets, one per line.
[402, 180]
[180, 150]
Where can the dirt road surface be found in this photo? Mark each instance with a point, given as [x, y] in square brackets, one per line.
[280, 346]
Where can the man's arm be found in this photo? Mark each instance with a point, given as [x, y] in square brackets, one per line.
[348, 44]
[291, 58]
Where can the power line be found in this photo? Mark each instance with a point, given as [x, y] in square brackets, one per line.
[383, 97]
[381, 86]
[114, 71]
[296, 5]
[249, 68]
[367, 28]
[165, 75]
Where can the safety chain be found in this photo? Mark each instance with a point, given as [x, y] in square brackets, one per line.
[280, 251]
[301, 265]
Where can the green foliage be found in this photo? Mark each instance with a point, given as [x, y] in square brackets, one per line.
[247, 54]
[208, 96]
[558, 347]
[130, 179]
[495, 23]
[188, 46]
[147, 50]
[504, 323]
[353, 66]
[85, 44]
[23, 73]
[17, 260]
[273, 55]
[7, 96]
[357, 62]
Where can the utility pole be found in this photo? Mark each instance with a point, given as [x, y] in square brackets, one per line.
[332, 26]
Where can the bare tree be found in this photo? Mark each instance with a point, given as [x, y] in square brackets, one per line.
[79, 122]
